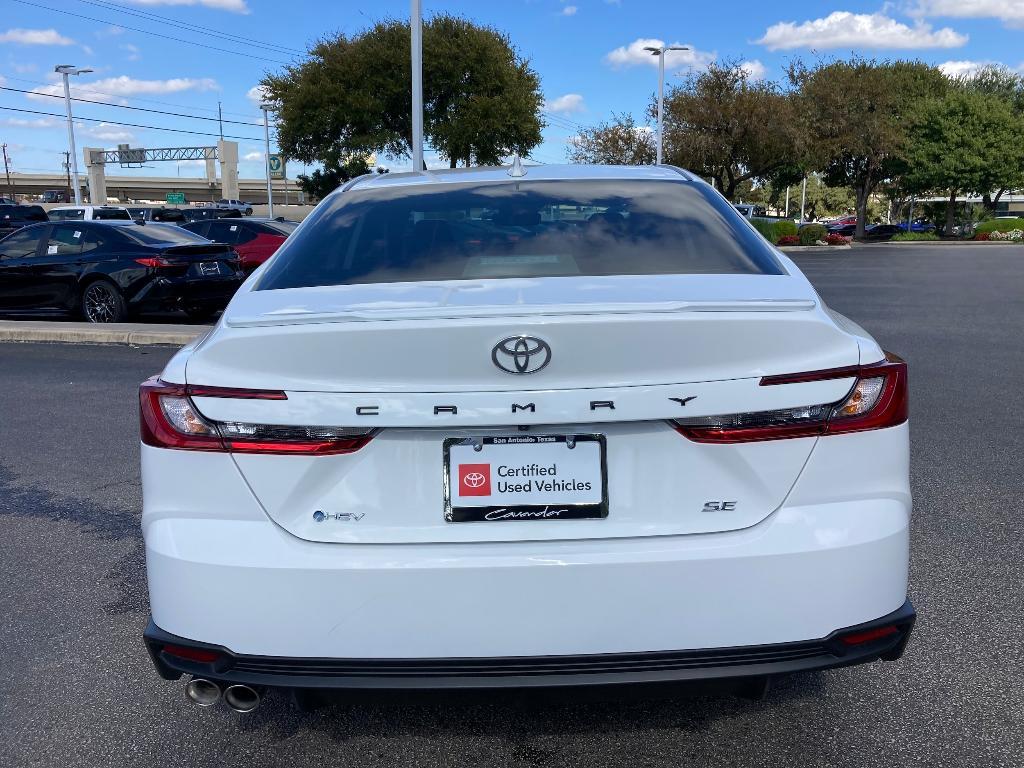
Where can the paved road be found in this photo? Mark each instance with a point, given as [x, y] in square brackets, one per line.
[77, 690]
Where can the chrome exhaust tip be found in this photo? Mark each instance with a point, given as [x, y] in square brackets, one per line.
[242, 698]
[202, 692]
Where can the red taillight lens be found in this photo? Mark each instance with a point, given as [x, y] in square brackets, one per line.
[877, 399]
[154, 262]
[169, 419]
[869, 635]
[202, 655]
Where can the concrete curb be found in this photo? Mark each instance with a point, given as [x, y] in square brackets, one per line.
[821, 248]
[131, 334]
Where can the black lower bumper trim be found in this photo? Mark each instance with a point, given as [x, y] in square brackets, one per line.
[541, 671]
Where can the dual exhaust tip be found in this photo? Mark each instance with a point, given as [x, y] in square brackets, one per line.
[206, 693]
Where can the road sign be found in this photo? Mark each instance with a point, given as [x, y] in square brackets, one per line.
[175, 198]
[276, 163]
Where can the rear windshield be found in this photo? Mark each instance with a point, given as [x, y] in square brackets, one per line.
[519, 229]
[110, 214]
[162, 234]
[281, 227]
[22, 213]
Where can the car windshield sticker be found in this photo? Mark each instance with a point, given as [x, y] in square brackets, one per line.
[77, 235]
[51, 250]
[234, 227]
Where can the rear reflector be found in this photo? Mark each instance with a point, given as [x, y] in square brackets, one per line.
[170, 419]
[868, 635]
[877, 399]
[203, 655]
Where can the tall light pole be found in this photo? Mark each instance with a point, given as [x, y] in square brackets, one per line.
[266, 157]
[416, 28]
[65, 70]
[660, 53]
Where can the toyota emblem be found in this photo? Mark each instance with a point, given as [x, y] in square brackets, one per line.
[521, 354]
[474, 479]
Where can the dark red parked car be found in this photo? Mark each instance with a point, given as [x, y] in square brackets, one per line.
[255, 240]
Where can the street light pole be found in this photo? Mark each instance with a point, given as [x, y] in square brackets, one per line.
[803, 199]
[416, 28]
[65, 70]
[266, 158]
[660, 53]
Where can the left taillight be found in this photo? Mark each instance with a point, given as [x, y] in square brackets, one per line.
[169, 418]
[877, 399]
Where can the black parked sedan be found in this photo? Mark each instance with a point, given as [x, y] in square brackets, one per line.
[106, 270]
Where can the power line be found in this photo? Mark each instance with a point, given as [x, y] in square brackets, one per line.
[128, 125]
[147, 32]
[123, 106]
[155, 17]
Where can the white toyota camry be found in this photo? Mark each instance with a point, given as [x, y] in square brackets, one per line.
[486, 428]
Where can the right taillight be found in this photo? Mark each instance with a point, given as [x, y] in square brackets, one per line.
[877, 399]
[170, 419]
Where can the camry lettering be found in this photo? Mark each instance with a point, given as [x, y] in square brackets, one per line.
[452, 410]
[528, 407]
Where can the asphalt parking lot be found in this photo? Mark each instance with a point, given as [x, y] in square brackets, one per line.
[76, 687]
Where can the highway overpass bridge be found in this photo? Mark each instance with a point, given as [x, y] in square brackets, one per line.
[130, 188]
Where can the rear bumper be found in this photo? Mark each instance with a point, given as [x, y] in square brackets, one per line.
[542, 671]
[177, 292]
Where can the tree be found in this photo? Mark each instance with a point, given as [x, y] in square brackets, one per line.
[723, 125]
[336, 171]
[351, 95]
[619, 141]
[853, 114]
[1008, 86]
[965, 141]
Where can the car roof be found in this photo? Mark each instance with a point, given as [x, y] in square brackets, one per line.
[482, 174]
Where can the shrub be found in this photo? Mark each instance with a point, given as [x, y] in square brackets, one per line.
[834, 239]
[981, 236]
[812, 233]
[773, 231]
[789, 240]
[1000, 225]
[911, 236]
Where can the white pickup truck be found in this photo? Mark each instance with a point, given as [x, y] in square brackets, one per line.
[233, 205]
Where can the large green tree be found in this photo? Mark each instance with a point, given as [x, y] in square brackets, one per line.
[853, 116]
[964, 141]
[352, 95]
[722, 124]
[1007, 86]
[619, 141]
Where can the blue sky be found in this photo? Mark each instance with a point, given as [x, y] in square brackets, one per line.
[588, 53]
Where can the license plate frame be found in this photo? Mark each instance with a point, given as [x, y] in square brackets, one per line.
[526, 512]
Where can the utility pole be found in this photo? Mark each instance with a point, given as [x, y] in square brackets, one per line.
[220, 121]
[266, 139]
[787, 203]
[416, 29]
[803, 199]
[7, 171]
[67, 170]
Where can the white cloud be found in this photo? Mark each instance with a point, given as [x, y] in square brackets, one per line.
[235, 6]
[112, 31]
[252, 156]
[256, 95]
[128, 86]
[20, 122]
[634, 54]
[133, 51]
[567, 104]
[842, 29]
[962, 68]
[754, 68]
[35, 37]
[569, 10]
[108, 132]
[1010, 12]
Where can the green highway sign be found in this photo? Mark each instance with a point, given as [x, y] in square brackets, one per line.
[276, 163]
[175, 198]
